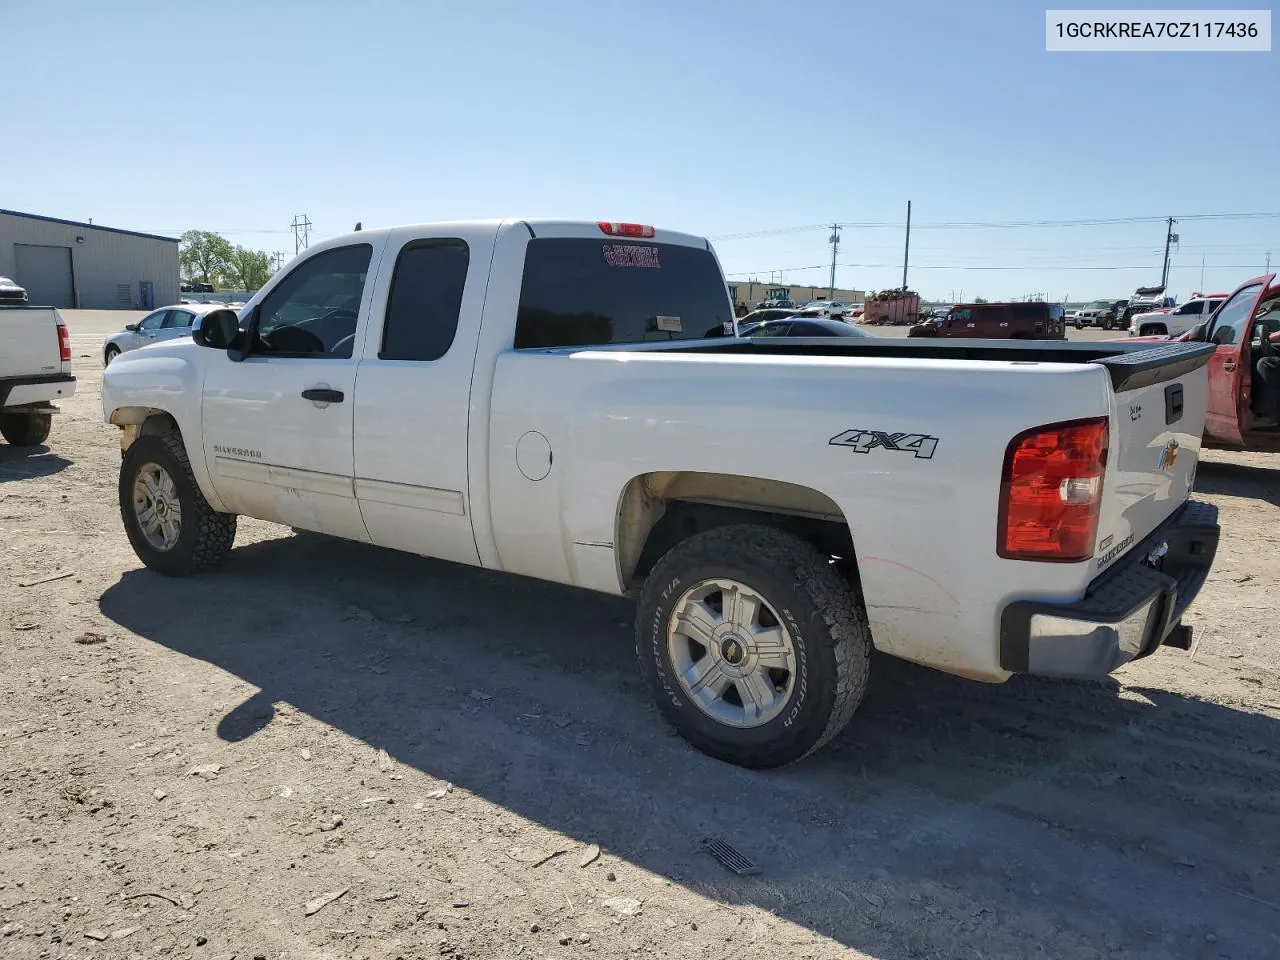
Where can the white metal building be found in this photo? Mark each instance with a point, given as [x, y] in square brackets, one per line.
[62, 263]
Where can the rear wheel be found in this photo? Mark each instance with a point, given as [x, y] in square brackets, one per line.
[170, 525]
[25, 429]
[754, 644]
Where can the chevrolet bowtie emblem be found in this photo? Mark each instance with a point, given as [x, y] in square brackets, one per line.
[1169, 455]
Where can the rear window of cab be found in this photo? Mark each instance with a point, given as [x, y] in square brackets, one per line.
[586, 292]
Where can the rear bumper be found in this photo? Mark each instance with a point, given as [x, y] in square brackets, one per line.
[1126, 613]
[23, 391]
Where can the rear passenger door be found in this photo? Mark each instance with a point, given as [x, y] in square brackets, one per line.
[413, 392]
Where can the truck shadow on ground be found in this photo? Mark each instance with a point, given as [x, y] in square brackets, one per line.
[1073, 815]
[1223, 478]
[29, 463]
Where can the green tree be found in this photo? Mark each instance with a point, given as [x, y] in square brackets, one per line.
[981, 300]
[248, 269]
[204, 256]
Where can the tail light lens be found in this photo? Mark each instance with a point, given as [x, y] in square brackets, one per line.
[624, 229]
[1051, 492]
[64, 341]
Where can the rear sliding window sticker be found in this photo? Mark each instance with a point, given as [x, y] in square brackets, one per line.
[631, 255]
[864, 441]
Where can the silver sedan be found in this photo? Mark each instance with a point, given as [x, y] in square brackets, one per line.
[167, 323]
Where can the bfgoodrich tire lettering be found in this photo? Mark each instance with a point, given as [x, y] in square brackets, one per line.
[205, 536]
[812, 601]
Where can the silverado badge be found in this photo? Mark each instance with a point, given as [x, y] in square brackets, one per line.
[1169, 455]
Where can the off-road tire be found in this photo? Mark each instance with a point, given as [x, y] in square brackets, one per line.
[206, 535]
[25, 429]
[819, 607]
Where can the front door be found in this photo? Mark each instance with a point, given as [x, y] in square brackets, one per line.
[1224, 421]
[278, 425]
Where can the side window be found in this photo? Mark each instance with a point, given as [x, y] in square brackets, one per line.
[426, 298]
[313, 311]
[960, 318]
[154, 321]
[1189, 307]
[177, 318]
[1232, 315]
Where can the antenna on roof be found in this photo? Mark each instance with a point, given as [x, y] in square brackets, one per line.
[358, 227]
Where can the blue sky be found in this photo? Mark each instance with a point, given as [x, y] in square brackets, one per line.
[716, 118]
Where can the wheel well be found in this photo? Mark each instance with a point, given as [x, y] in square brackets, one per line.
[142, 421]
[1149, 328]
[659, 510]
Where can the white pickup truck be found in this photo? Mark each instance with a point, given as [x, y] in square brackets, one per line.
[35, 370]
[559, 400]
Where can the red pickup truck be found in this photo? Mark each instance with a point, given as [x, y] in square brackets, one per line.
[1244, 371]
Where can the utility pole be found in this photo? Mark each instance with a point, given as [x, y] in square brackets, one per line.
[1201, 273]
[278, 256]
[301, 227]
[1169, 237]
[1268, 270]
[906, 252]
[835, 245]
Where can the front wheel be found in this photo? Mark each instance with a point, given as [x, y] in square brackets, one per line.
[170, 525]
[25, 429]
[755, 646]
[110, 354]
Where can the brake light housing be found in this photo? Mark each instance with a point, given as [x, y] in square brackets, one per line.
[1051, 492]
[638, 230]
[64, 342]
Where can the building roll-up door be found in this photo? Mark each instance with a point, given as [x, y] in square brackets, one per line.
[45, 272]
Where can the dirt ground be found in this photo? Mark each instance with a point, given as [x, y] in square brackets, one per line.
[199, 768]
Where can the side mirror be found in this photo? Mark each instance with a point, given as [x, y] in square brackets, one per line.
[1197, 334]
[131, 327]
[217, 329]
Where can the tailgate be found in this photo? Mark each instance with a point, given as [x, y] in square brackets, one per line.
[1159, 397]
[29, 342]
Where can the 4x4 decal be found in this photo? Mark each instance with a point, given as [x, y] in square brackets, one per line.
[864, 441]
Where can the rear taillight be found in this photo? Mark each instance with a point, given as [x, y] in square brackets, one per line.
[1051, 492]
[64, 342]
[624, 229]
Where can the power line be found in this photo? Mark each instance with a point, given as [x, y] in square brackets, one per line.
[996, 224]
[951, 266]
